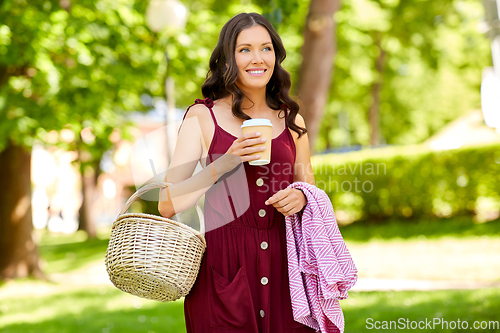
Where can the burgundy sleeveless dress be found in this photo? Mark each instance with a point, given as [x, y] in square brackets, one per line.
[242, 285]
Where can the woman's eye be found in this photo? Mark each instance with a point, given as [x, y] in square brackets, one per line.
[267, 47]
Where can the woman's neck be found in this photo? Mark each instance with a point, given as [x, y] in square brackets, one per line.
[254, 103]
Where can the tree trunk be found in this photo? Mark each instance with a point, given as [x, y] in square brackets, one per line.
[316, 70]
[374, 112]
[86, 219]
[19, 255]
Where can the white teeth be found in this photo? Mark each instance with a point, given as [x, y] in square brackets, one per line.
[256, 72]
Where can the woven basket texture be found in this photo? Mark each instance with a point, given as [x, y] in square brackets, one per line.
[154, 257]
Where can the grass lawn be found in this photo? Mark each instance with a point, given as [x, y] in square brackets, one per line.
[450, 305]
[80, 300]
[457, 227]
[42, 307]
[447, 249]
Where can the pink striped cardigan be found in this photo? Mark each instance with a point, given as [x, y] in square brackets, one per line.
[320, 268]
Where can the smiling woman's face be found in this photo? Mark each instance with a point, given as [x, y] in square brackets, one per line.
[254, 51]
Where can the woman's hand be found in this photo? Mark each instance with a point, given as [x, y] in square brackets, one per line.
[242, 146]
[288, 201]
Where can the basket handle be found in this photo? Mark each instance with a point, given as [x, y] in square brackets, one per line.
[151, 186]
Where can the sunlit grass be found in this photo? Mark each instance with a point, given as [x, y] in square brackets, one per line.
[83, 309]
[450, 305]
[106, 309]
[453, 249]
[63, 253]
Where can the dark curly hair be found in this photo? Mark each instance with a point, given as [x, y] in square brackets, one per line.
[220, 80]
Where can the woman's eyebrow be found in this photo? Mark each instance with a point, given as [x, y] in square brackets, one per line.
[251, 44]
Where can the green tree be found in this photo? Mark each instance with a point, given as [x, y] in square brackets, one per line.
[403, 70]
[316, 69]
[77, 67]
[24, 95]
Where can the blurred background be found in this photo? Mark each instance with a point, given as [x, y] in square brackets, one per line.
[402, 104]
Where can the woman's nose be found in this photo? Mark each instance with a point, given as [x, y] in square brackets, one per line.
[257, 58]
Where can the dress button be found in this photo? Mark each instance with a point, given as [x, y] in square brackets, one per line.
[262, 313]
[264, 281]
[262, 212]
[264, 245]
[260, 182]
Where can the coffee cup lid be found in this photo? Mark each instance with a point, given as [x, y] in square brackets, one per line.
[257, 122]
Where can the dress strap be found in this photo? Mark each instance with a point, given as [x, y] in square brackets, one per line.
[208, 103]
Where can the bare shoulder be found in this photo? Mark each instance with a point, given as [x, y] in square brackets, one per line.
[200, 118]
[200, 114]
[198, 110]
[299, 121]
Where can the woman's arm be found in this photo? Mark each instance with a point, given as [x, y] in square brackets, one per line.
[186, 190]
[180, 196]
[303, 170]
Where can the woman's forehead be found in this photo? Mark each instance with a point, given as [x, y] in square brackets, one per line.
[254, 35]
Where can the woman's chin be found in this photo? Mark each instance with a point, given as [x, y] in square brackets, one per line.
[255, 85]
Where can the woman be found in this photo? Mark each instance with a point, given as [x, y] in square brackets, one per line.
[242, 285]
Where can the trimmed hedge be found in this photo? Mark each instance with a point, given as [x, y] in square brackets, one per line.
[411, 182]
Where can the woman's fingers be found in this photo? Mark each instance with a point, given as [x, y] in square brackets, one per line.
[288, 205]
[252, 142]
[244, 145]
[246, 136]
[249, 150]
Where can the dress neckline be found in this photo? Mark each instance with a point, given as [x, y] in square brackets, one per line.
[223, 130]
[209, 103]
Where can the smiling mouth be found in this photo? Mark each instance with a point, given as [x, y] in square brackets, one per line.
[256, 72]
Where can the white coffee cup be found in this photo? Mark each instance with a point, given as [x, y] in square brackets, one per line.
[265, 127]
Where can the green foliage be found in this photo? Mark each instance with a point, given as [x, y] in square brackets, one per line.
[73, 68]
[84, 66]
[431, 74]
[422, 184]
[433, 229]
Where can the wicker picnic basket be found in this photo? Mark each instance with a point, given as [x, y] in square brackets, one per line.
[152, 256]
